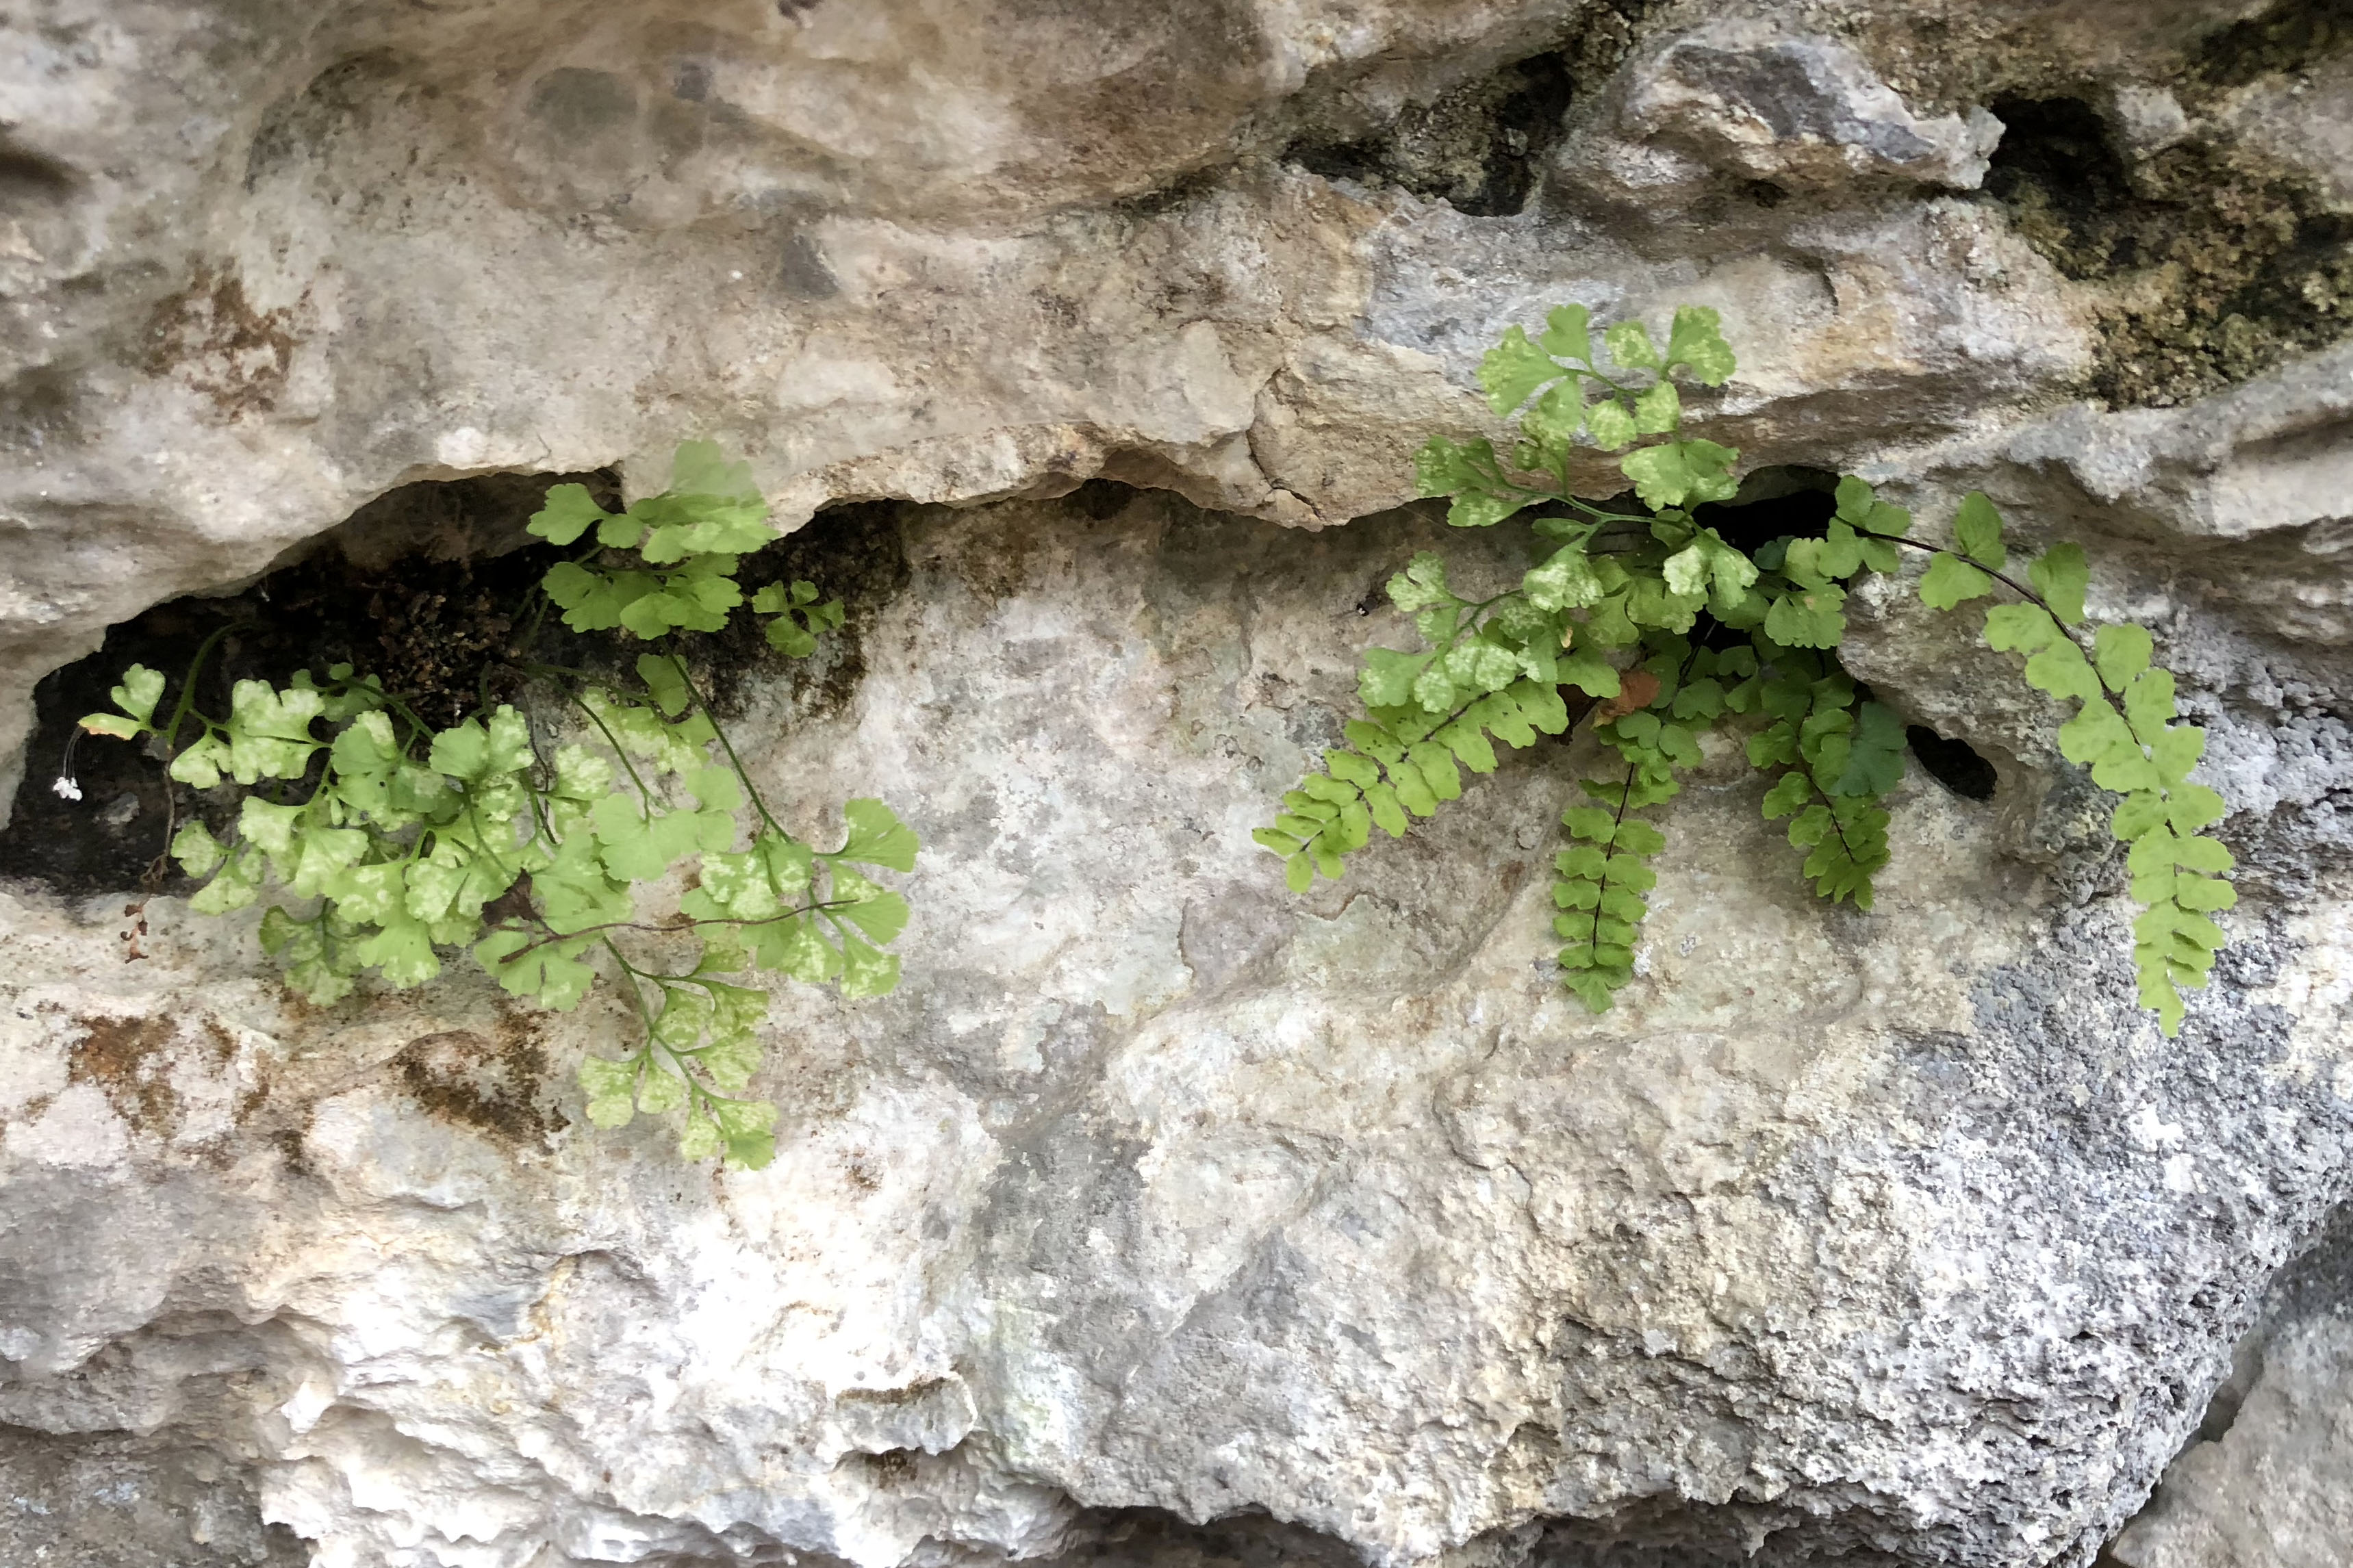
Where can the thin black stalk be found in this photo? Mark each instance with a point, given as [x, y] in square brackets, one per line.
[188, 687]
[2020, 589]
[727, 745]
[645, 795]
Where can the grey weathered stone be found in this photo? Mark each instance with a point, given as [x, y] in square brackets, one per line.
[115, 1501]
[2269, 1483]
[1156, 1197]
[1744, 98]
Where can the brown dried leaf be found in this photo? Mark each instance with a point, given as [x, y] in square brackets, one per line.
[1637, 690]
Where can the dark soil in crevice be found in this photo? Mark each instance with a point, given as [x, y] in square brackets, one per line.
[1099, 499]
[1480, 148]
[854, 552]
[428, 588]
[423, 620]
[417, 587]
[1153, 1538]
[2290, 37]
[2217, 268]
[1477, 148]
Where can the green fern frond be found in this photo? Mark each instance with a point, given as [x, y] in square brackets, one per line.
[1601, 879]
[2124, 732]
[1400, 760]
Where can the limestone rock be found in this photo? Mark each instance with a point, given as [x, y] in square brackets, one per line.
[2269, 1483]
[113, 1501]
[1158, 1189]
[1162, 1215]
[1746, 99]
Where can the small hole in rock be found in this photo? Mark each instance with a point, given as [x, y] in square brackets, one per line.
[1103, 499]
[1953, 763]
[2056, 164]
[1788, 501]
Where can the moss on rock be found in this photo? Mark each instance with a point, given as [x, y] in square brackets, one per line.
[2215, 264]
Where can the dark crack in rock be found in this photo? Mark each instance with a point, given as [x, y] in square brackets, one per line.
[1481, 147]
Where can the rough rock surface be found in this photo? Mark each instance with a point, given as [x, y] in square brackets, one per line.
[1157, 1197]
[2269, 1483]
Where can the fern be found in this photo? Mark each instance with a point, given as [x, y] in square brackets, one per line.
[1602, 877]
[1496, 671]
[395, 841]
[2139, 752]
[1841, 756]
[1662, 625]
